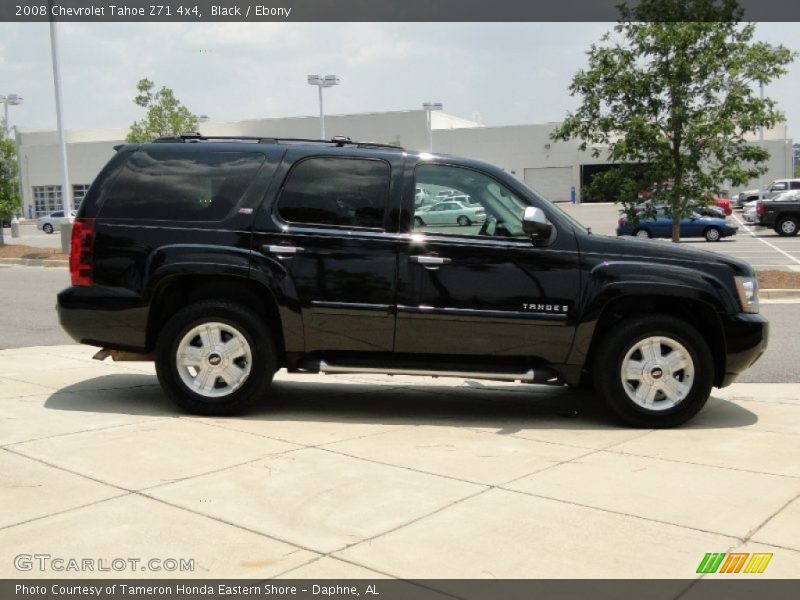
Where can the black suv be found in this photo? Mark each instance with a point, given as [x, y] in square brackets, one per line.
[226, 259]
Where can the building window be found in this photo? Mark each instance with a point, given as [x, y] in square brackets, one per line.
[78, 193]
[46, 199]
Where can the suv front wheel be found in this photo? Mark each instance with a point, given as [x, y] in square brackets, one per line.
[215, 358]
[654, 371]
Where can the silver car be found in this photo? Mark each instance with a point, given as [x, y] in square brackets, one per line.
[450, 212]
[52, 222]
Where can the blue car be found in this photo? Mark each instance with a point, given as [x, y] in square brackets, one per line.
[711, 228]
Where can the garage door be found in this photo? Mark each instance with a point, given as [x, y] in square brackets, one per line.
[553, 183]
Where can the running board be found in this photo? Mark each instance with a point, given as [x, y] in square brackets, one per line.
[537, 375]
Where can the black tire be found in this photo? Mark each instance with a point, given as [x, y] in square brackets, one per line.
[713, 234]
[261, 345]
[463, 221]
[642, 233]
[619, 341]
[418, 222]
[787, 226]
[47, 228]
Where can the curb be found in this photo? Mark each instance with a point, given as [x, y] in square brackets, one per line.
[35, 262]
[779, 294]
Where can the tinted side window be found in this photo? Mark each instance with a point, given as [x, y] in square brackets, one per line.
[336, 191]
[795, 185]
[180, 186]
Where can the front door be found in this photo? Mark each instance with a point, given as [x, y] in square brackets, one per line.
[483, 289]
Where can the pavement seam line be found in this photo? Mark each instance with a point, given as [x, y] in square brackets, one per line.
[686, 462]
[621, 513]
[69, 433]
[759, 527]
[161, 501]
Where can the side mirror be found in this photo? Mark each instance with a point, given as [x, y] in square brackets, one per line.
[535, 224]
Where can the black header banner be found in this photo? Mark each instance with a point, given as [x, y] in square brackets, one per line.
[393, 589]
[348, 10]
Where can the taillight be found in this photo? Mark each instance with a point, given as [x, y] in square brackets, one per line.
[621, 222]
[80, 252]
[760, 208]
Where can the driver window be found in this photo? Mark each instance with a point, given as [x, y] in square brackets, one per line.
[460, 201]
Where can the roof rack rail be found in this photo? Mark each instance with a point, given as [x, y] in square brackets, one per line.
[339, 140]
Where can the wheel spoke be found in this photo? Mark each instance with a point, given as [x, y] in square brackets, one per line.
[651, 350]
[204, 381]
[633, 370]
[233, 348]
[671, 389]
[674, 362]
[232, 375]
[646, 393]
[190, 356]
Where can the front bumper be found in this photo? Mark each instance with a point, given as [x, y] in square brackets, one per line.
[746, 337]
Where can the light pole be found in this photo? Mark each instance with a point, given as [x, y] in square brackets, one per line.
[429, 107]
[323, 82]
[761, 144]
[13, 100]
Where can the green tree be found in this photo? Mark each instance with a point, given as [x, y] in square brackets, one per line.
[10, 201]
[166, 116]
[671, 96]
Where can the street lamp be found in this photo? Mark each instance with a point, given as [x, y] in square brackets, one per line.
[429, 107]
[761, 143]
[13, 100]
[323, 82]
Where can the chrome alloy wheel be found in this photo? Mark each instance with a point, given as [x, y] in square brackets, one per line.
[788, 227]
[213, 359]
[657, 373]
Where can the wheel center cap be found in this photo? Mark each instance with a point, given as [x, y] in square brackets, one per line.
[214, 359]
[656, 372]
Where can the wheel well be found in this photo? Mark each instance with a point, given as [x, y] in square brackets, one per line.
[699, 315]
[187, 289]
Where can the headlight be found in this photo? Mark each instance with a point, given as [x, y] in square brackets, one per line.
[748, 293]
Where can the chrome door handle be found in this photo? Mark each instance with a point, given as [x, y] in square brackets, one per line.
[430, 260]
[281, 249]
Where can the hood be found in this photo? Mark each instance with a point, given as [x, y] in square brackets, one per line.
[625, 248]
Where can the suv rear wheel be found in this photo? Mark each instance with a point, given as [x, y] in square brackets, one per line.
[215, 358]
[654, 371]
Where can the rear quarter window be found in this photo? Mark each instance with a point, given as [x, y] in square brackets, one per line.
[176, 185]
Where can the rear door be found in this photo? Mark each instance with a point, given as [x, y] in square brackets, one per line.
[331, 225]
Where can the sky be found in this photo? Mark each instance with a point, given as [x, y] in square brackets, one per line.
[498, 73]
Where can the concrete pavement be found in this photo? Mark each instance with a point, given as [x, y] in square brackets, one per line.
[370, 476]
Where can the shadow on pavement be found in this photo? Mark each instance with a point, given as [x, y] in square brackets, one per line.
[475, 404]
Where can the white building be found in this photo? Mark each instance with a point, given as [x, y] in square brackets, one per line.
[553, 168]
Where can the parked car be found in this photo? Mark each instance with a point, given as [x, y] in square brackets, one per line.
[449, 212]
[52, 222]
[724, 204]
[711, 228]
[781, 215]
[704, 211]
[749, 213]
[226, 260]
[772, 190]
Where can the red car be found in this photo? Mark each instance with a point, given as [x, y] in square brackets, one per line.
[724, 204]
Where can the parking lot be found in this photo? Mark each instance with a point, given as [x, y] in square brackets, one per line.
[371, 476]
[367, 476]
[762, 248]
